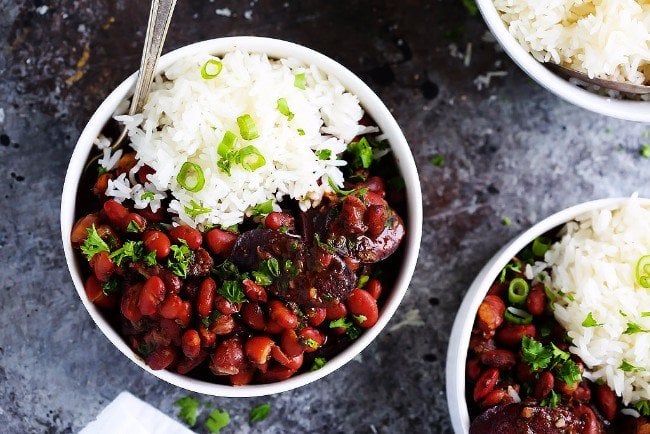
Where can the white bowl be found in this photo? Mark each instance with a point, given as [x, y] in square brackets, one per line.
[462, 329]
[371, 104]
[623, 109]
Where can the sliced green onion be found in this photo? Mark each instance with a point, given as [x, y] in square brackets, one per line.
[263, 208]
[643, 271]
[337, 189]
[518, 290]
[211, 69]
[227, 144]
[191, 177]
[300, 80]
[250, 158]
[301, 132]
[540, 246]
[517, 316]
[195, 209]
[283, 108]
[247, 128]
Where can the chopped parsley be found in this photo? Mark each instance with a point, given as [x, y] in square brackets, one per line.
[642, 407]
[633, 327]
[552, 400]
[569, 372]
[324, 154]
[232, 291]
[301, 132]
[270, 267]
[150, 258]
[644, 314]
[180, 259]
[590, 321]
[217, 419]
[644, 151]
[262, 208]
[109, 287]
[130, 250]
[628, 367]
[438, 160]
[290, 268]
[535, 354]
[259, 413]
[148, 195]
[195, 209]
[299, 81]
[319, 362]
[539, 356]
[361, 153]
[505, 221]
[188, 410]
[93, 244]
[311, 343]
[261, 278]
[351, 330]
[133, 227]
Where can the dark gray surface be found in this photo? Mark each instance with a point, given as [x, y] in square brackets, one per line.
[510, 150]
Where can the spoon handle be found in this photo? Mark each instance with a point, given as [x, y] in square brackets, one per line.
[159, 19]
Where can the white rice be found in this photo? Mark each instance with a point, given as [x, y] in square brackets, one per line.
[593, 270]
[186, 116]
[604, 38]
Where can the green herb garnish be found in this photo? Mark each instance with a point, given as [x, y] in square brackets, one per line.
[93, 244]
[319, 362]
[211, 69]
[300, 81]
[263, 208]
[628, 367]
[438, 160]
[217, 419]
[590, 321]
[132, 251]
[188, 410]
[195, 209]
[633, 328]
[324, 154]
[283, 108]
[232, 291]
[180, 258]
[361, 153]
[259, 413]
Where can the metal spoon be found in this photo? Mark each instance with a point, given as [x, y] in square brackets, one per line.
[638, 89]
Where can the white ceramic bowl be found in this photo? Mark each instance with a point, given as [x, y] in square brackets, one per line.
[372, 105]
[462, 329]
[623, 109]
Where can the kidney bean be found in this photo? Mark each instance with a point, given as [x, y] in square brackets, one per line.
[173, 307]
[352, 263]
[351, 216]
[220, 242]
[158, 241]
[361, 303]
[95, 293]
[173, 283]
[254, 292]
[282, 358]
[497, 289]
[524, 373]
[161, 358]
[275, 220]
[583, 394]
[135, 219]
[171, 330]
[564, 388]
[479, 345]
[375, 218]
[485, 384]
[586, 414]
[273, 327]
[315, 315]
[151, 295]
[205, 297]
[228, 358]
[126, 162]
[490, 313]
[153, 217]
[192, 237]
[496, 396]
[544, 385]
[223, 325]
[510, 335]
[101, 185]
[109, 235]
[116, 213]
[144, 172]
[374, 288]
[208, 339]
[278, 373]
[258, 349]
[186, 365]
[311, 339]
[191, 343]
[253, 315]
[129, 303]
[226, 307]
[103, 266]
[606, 401]
[80, 229]
[375, 185]
[244, 376]
[536, 300]
[500, 359]
[290, 343]
[335, 311]
[473, 369]
[282, 315]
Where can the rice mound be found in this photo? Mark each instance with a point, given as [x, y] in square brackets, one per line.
[185, 119]
[592, 270]
[608, 39]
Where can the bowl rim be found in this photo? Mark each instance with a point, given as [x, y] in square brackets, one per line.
[638, 111]
[462, 327]
[371, 105]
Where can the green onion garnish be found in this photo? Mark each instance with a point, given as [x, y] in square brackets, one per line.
[517, 316]
[211, 69]
[196, 209]
[283, 108]
[301, 132]
[191, 177]
[300, 80]
[250, 158]
[247, 128]
[337, 189]
[540, 246]
[227, 144]
[518, 291]
[643, 271]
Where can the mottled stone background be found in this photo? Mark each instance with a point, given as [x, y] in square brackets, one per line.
[511, 150]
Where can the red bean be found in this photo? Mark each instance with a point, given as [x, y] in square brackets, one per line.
[586, 414]
[511, 335]
[158, 241]
[103, 266]
[151, 295]
[254, 292]
[173, 307]
[80, 229]
[228, 358]
[276, 220]
[136, 222]
[95, 293]
[208, 339]
[315, 315]
[258, 349]
[536, 301]
[290, 344]
[186, 365]
[351, 216]
[101, 185]
[473, 369]
[244, 376]
[253, 315]
[311, 339]
[144, 172]
[479, 345]
[223, 325]
[226, 307]
[544, 385]
[523, 373]
[173, 283]
[129, 303]
[500, 359]
[362, 304]
[497, 289]
[375, 218]
[205, 297]
[278, 373]
[375, 185]
[606, 401]
[485, 383]
[335, 311]
[285, 360]
[374, 288]
[171, 330]
[566, 389]
[191, 343]
[496, 396]
[161, 358]
[153, 217]
[490, 313]
[220, 242]
[192, 237]
[282, 315]
[583, 394]
[116, 213]
[126, 163]
[273, 328]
